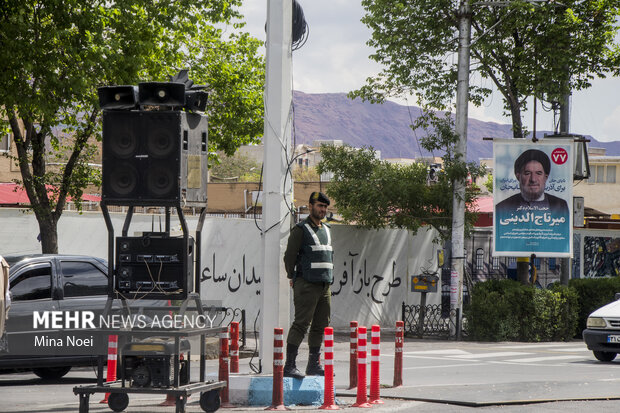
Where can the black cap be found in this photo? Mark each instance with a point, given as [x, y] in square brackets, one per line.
[533, 155]
[319, 197]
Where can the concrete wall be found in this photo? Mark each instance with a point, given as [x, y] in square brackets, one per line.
[237, 196]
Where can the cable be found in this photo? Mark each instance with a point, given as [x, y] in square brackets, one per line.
[288, 173]
[252, 366]
[260, 182]
[300, 29]
[414, 132]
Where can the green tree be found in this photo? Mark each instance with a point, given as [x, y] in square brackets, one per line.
[234, 168]
[525, 49]
[373, 194]
[54, 54]
[488, 184]
[302, 174]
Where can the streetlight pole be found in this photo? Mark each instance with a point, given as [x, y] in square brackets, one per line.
[458, 202]
[277, 189]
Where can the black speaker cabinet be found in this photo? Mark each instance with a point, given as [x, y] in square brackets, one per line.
[154, 158]
[154, 266]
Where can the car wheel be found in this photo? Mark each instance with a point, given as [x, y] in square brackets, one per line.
[604, 355]
[51, 373]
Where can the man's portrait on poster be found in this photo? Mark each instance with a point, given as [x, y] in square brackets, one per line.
[532, 170]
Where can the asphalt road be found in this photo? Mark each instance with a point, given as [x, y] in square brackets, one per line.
[438, 376]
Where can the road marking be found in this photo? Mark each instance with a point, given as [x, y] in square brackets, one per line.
[490, 355]
[445, 366]
[447, 352]
[535, 345]
[537, 359]
[574, 349]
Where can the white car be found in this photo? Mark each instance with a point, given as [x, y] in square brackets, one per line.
[602, 334]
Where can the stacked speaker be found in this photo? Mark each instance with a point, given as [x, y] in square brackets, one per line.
[155, 153]
[154, 157]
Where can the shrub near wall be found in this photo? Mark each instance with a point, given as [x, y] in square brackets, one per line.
[505, 310]
[593, 293]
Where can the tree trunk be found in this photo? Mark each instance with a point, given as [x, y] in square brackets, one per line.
[517, 123]
[49, 234]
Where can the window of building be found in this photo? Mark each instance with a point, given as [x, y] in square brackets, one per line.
[5, 142]
[611, 174]
[551, 264]
[603, 174]
[600, 174]
[537, 263]
[495, 263]
[479, 260]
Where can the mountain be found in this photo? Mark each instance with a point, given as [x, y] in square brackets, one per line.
[385, 127]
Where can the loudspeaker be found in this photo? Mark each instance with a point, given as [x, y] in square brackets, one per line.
[196, 100]
[161, 94]
[154, 266]
[154, 158]
[118, 97]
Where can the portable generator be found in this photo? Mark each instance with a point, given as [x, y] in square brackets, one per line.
[150, 362]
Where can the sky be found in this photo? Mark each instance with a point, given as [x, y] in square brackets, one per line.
[335, 60]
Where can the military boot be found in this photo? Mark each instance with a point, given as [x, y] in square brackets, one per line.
[290, 368]
[314, 367]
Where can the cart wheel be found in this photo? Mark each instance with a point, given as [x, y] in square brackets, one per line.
[210, 400]
[118, 401]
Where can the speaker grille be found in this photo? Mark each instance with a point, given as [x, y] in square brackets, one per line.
[145, 158]
[123, 180]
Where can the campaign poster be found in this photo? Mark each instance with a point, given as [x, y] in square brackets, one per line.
[532, 197]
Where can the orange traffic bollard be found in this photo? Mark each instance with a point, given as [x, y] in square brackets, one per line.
[362, 400]
[353, 355]
[112, 355]
[375, 352]
[223, 371]
[398, 354]
[234, 347]
[277, 395]
[328, 398]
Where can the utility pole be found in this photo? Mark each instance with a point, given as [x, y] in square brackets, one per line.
[277, 193]
[565, 267]
[458, 202]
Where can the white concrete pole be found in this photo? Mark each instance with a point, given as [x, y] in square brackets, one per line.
[458, 203]
[277, 146]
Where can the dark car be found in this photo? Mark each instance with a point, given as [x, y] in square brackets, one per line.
[43, 283]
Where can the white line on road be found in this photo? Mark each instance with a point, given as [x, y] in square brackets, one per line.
[529, 346]
[445, 366]
[490, 355]
[437, 352]
[573, 349]
[548, 358]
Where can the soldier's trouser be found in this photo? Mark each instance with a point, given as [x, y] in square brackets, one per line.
[312, 309]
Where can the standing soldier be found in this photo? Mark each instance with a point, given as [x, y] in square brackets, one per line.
[309, 263]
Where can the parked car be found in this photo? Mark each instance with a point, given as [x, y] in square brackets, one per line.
[602, 334]
[52, 283]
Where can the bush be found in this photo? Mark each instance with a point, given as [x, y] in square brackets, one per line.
[593, 293]
[505, 310]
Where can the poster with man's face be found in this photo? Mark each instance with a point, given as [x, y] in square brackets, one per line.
[532, 197]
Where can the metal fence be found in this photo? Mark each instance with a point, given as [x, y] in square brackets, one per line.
[433, 320]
